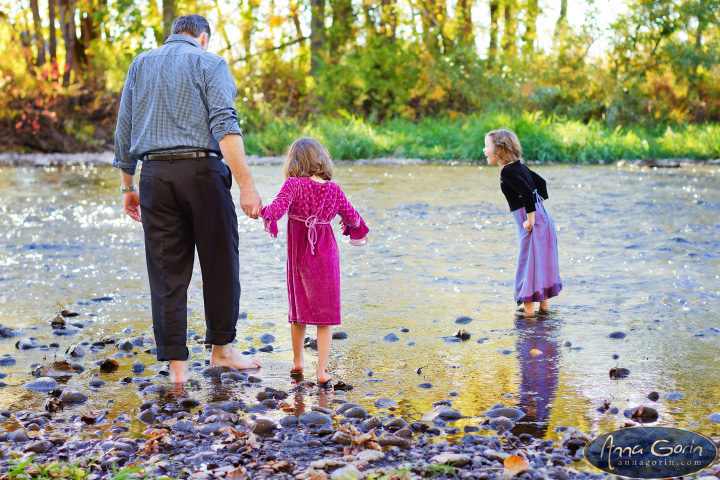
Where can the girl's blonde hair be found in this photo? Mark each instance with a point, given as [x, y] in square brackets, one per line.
[506, 144]
[307, 157]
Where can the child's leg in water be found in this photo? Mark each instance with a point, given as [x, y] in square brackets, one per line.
[324, 339]
[545, 305]
[529, 308]
[297, 332]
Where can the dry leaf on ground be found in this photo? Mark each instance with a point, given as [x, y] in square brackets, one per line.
[515, 465]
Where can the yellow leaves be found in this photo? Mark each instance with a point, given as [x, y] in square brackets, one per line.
[238, 474]
[438, 94]
[535, 352]
[244, 437]
[275, 21]
[515, 465]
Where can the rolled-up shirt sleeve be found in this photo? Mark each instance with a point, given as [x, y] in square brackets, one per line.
[123, 131]
[220, 94]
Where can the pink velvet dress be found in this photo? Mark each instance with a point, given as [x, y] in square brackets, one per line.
[313, 260]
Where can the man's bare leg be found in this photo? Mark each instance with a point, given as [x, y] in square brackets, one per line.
[179, 372]
[226, 355]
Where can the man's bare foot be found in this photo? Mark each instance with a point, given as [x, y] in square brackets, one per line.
[226, 355]
[323, 376]
[179, 372]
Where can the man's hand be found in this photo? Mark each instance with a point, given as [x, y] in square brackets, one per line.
[131, 200]
[250, 202]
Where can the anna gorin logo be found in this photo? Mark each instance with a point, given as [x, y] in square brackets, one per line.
[651, 452]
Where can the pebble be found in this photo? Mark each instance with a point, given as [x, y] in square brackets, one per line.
[390, 337]
[267, 338]
[501, 422]
[146, 416]
[40, 446]
[674, 395]
[513, 414]
[188, 403]
[425, 385]
[356, 412]
[184, 426]
[290, 421]
[18, 436]
[385, 403]
[26, 343]
[68, 330]
[617, 335]
[7, 361]
[463, 320]
[454, 459]
[42, 384]
[450, 415]
[339, 335]
[714, 417]
[264, 425]
[125, 344]
[396, 424]
[315, 419]
[96, 383]
[214, 427]
[266, 348]
[76, 351]
[218, 370]
[70, 395]
[138, 367]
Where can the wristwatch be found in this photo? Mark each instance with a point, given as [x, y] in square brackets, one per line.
[131, 188]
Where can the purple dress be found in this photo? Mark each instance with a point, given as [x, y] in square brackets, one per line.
[313, 260]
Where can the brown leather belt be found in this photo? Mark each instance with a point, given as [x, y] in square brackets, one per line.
[169, 157]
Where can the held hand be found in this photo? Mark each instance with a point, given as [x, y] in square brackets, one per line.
[131, 200]
[342, 224]
[250, 203]
[528, 225]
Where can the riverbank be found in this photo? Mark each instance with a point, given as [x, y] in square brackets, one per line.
[106, 158]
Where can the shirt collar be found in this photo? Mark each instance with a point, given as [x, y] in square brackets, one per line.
[179, 37]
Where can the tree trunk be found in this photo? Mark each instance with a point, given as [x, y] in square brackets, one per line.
[466, 30]
[66, 10]
[317, 35]
[294, 6]
[53, 39]
[494, 30]
[509, 46]
[340, 33]
[39, 39]
[530, 36]
[168, 17]
[561, 23]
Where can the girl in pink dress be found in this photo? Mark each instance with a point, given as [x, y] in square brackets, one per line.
[313, 262]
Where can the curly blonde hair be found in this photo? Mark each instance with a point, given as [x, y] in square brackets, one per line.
[307, 157]
[506, 145]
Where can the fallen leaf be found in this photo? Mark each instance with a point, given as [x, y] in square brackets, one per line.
[53, 405]
[535, 352]
[515, 465]
[88, 418]
[56, 370]
[238, 474]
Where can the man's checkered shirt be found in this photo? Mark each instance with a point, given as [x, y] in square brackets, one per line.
[177, 98]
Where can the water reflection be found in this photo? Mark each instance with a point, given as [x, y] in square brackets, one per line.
[539, 356]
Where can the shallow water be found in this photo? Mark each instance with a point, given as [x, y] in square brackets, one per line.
[638, 254]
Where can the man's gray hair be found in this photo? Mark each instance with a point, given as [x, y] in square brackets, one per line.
[193, 25]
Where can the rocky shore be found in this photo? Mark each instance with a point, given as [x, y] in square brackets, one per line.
[106, 158]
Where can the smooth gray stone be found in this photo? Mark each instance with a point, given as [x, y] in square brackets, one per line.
[501, 422]
[289, 421]
[230, 406]
[147, 416]
[450, 415]
[339, 335]
[70, 395]
[218, 370]
[214, 427]
[42, 384]
[267, 338]
[390, 337]
[138, 367]
[513, 414]
[7, 361]
[184, 426]
[96, 383]
[315, 418]
[464, 320]
[385, 403]
[617, 335]
[264, 425]
[356, 412]
[26, 343]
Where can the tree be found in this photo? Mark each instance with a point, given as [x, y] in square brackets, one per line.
[463, 18]
[317, 35]
[509, 40]
[39, 39]
[532, 10]
[168, 17]
[561, 24]
[494, 30]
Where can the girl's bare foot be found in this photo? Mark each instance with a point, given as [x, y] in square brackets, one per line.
[297, 368]
[226, 355]
[179, 372]
[323, 376]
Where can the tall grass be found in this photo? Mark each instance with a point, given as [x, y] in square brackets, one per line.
[546, 139]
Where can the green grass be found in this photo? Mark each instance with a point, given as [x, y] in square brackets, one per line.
[29, 469]
[546, 139]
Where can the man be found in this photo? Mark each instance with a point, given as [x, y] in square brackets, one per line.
[177, 116]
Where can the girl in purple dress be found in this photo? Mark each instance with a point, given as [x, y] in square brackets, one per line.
[538, 276]
[313, 262]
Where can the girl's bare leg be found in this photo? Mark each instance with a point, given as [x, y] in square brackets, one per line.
[297, 333]
[529, 308]
[324, 339]
[545, 305]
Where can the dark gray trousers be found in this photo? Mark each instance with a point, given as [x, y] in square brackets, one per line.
[186, 204]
